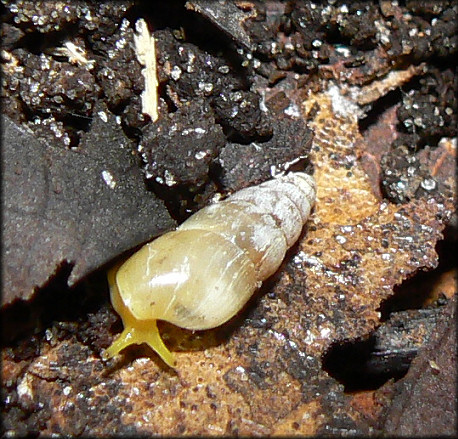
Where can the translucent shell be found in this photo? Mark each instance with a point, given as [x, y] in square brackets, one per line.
[203, 273]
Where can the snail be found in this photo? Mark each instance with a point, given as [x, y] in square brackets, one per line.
[201, 274]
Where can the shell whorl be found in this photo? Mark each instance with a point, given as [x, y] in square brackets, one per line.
[263, 220]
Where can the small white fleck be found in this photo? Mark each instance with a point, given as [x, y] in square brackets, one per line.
[434, 365]
[341, 239]
[67, 390]
[262, 104]
[223, 69]
[175, 73]
[109, 179]
[217, 197]
[234, 112]
[293, 111]
[121, 43]
[200, 155]
[208, 87]
[256, 146]
[24, 388]
[428, 184]
[310, 337]
[103, 116]
[169, 178]
[343, 50]
[274, 171]
[48, 335]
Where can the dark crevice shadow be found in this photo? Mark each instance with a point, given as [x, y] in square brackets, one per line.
[55, 301]
[356, 365]
[367, 364]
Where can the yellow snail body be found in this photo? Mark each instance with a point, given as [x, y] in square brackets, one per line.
[201, 274]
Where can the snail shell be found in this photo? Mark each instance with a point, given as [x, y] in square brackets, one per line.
[200, 275]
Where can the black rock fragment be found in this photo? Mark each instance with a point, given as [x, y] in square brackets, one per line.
[178, 149]
[239, 112]
[80, 207]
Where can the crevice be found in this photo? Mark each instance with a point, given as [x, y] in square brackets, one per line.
[54, 301]
[378, 108]
[354, 364]
[425, 287]
[409, 319]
